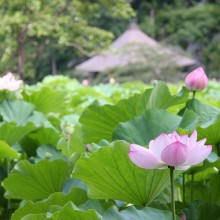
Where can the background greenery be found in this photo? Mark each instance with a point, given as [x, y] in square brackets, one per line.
[38, 38]
[64, 151]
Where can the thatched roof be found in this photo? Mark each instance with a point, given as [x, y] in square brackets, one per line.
[119, 56]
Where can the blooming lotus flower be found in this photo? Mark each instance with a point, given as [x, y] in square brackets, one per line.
[170, 150]
[196, 80]
[9, 82]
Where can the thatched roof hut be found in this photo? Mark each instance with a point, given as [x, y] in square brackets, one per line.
[126, 50]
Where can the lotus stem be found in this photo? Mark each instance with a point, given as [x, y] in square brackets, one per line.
[172, 192]
[218, 149]
[191, 187]
[194, 94]
[184, 189]
[8, 169]
[68, 149]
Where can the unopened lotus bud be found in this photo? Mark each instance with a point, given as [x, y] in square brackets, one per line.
[196, 80]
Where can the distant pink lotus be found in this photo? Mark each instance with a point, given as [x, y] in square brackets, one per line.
[196, 80]
[8, 82]
[170, 150]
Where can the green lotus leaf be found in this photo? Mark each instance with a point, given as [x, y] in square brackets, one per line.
[48, 152]
[132, 213]
[17, 111]
[47, 100]
[13, 133]
[39, 216]
[211, 132]
[45, 136]
[21, 113]
[99, 122]
[76, 195]
[190, 120]
[100, 206]
[147, 126]
[36, 181]
[162, 98]
[205, 112]
[109, 174]
[7, 152]
[71, 211]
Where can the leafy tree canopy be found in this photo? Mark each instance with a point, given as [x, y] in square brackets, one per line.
[28, 27]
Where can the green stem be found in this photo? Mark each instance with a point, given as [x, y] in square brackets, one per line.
[184, 190]
[194, 94]
[172, 193]
[218, 149]
[68, 149]
[8, 167]
[191, 187]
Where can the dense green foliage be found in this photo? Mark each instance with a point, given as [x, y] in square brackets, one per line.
[64, 151]
[37, 34]
[39, 38]
[193, 25]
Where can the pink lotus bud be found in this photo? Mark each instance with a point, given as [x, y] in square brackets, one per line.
[196, 80]
[172, 150]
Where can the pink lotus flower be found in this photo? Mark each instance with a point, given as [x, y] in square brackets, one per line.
[196, 80]
[8, 82]
[170, 150]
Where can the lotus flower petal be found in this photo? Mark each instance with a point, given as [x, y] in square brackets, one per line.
[174, 154]
[182, 167]
[173, 150]
[9, 82]
[184, 139]
[198, 154]
[193, 136]
[143, 157]
[157, 145]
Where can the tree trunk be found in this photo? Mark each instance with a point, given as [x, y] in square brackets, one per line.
[21, 53]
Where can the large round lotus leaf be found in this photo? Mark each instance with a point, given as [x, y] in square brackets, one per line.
[36, 181]
[76, 195]
[109, 174]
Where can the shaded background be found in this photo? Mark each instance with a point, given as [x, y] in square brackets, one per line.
[42, 37]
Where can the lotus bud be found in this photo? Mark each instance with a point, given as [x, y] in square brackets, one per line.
[196, 80]
[68, 130]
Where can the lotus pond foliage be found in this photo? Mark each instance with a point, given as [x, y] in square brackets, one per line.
[64, 150]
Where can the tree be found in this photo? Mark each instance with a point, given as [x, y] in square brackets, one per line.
[29, 27]
[196, 30]
[193, 25]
